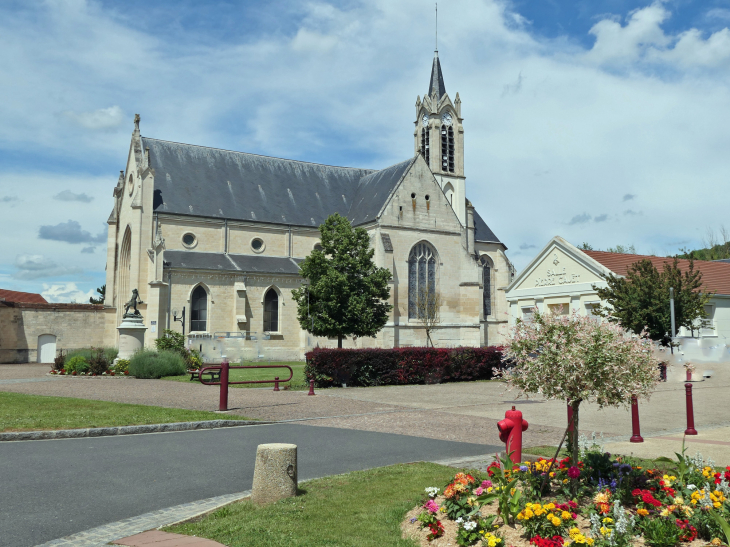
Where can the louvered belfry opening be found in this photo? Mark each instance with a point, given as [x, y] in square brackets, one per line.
[487, 285]
[447, 149]
[425, 148]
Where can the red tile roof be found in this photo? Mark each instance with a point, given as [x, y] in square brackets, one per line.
[16, 296]
[715, 275]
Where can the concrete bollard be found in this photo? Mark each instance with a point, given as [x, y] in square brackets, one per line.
[275, 474]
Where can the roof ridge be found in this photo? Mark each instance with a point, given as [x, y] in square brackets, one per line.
[651, 256]
[262, 155]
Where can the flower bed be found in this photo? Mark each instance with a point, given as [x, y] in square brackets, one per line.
[603, 502]
[74, 374]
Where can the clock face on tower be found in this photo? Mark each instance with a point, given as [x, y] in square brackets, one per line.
[446, 119]
[424, 120]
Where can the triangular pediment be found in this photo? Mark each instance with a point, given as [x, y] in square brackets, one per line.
[558, 264]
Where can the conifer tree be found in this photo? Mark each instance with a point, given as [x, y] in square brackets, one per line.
[345, 294]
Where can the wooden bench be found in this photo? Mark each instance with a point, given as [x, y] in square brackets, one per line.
[214, 374]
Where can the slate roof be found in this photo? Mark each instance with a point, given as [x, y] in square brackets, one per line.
[194, 260]
[210, 182]
[715, 275]
[24, 297]
[201, 181]
[437, 78]
[482, 232]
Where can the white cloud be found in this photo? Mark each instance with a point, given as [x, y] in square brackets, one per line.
[65, 292]
[104, 118]
[37, 266]
[643, 108]
[68, 195]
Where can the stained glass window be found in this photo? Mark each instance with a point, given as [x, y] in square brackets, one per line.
[421, 274]
[487, 284]
[199, 310]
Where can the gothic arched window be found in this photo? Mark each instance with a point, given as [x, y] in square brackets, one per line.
[486, 263]
[199, 310]
[425, 145]
[271, 311]
[447, 149]
[421, 274]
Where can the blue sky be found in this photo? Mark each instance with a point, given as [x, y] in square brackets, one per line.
[601, 121]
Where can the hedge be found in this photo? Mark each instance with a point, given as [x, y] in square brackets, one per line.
[401, 366]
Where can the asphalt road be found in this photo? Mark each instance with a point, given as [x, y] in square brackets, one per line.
[51, 489]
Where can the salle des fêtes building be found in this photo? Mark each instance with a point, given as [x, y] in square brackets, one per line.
[221, 234]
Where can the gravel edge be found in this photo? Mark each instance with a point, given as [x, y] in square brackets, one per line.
[123, 430]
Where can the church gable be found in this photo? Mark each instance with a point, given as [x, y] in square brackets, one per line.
[419, 202]
[558, 264]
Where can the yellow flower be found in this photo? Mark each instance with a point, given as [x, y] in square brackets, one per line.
[679, 500]
[565, 515]
[573, 532]
[556, 521]
[529, 514]
[550, 506]
[642, 512]
[608, 520]
[605, 531]
[565, 481]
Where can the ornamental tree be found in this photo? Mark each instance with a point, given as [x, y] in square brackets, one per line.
[575, 358]
[641, 299]
[346, 293]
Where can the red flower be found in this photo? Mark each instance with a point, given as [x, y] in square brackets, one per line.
[573, 472]
[555, 541]
[689, 532]
[437, 530]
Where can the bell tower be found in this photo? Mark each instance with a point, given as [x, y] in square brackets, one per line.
[439, 137]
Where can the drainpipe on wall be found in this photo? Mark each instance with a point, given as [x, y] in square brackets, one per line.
[290, 242]
[169, 296]
[225, 236]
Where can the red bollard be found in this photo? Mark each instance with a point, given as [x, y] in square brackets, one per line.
[311, 387]
[276, 383]
[636, 437]
[688, 377]
[690, 412]
[510, 433]
[223, 404]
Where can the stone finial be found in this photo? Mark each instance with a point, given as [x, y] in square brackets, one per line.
[275, 473]
[136, 122]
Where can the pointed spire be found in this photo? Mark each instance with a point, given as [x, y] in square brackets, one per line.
[437, 78]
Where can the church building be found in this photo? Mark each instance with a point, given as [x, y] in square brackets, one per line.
[212, 239]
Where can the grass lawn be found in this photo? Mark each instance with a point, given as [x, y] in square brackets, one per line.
[364, 508]
[297, 382]
[36, 412]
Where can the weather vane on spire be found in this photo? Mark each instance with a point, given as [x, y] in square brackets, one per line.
[437, 27]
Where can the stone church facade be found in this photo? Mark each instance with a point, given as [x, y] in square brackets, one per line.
[220, 234]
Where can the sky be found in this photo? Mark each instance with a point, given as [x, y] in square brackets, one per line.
[602, 121]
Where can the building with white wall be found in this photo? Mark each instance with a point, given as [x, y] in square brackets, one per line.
[561, 278]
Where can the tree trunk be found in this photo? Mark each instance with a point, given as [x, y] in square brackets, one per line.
[339, 341]
[574, 440]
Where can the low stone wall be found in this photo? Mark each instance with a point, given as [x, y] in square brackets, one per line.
[74, 326]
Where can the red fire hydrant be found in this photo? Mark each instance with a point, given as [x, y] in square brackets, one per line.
[510, 433]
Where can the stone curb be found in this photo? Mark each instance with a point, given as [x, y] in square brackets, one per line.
[124, 430]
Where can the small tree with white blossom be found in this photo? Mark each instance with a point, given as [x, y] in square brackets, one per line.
[575, 358]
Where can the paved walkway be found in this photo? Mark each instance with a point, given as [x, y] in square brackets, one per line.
[155, 538]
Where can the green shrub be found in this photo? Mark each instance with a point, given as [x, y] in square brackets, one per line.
[171, 340]
[87, 353]
[122, 366]
[156, 364]
[76, 364]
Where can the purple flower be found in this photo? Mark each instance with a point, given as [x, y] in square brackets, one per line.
[524, 468]
[574, 472]
[486, 484]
